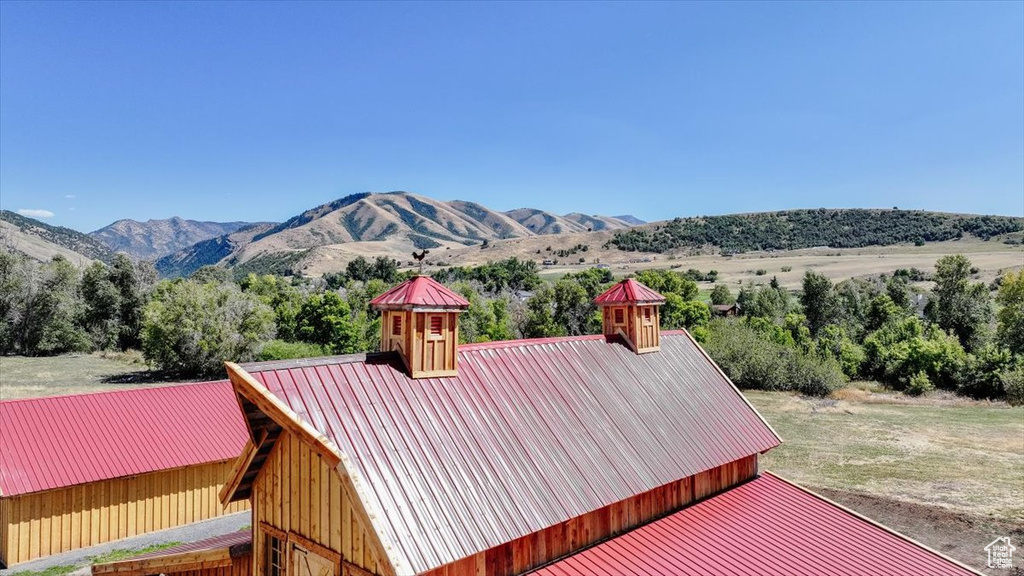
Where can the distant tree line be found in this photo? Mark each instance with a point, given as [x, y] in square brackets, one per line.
[966, 342]
[812, 341]
[794, 229]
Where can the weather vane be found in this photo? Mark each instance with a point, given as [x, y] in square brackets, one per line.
[419, 258]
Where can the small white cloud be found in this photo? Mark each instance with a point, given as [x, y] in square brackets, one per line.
[35, 213]
[69, 196]
[72, 209]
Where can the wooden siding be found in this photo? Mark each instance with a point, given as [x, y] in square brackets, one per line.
[298, 493]
[434, 354]
[426, 355]
[643, 334]
[43, 523]
[573, 535]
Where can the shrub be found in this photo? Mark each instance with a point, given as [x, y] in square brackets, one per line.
[761, 272]
[755, 361]
[981, 373]
[192, 328]
[1013, 383]
[281, 350]
[919, 384]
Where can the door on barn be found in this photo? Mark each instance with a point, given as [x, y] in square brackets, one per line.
[306, 562]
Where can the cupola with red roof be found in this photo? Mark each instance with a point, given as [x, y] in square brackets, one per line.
[420, 321]
[631, 310]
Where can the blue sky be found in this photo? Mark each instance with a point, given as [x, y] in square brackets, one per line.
[256, 111]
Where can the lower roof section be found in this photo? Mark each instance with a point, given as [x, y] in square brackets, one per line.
[765, 527]
[215, 552]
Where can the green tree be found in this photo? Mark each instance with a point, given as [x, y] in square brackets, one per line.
[668, 282]
[821, 306]
[326, 319]
[958, 306]
[191, 328]
[678, 313]
[574, 308]
[540, 315]
[1010, 317]
[56, 312]
[102, 314]
[282, 297]
[17, 280]
[768, 302]
[721, 295]
[359, 269]
[881, 311]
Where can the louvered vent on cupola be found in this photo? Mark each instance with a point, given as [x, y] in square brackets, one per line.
[420, 321]
[632, 311]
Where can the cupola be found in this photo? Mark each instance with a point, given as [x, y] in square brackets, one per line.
[632, 311]
[420, 321]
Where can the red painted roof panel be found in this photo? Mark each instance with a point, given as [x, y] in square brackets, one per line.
[629, 291]
[420, 291]
[766, 527]
[62, 441]
[529, 434]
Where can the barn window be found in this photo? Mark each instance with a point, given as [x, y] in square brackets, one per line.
[436, 327]
[396, 325]
[275, 561]
[620, 316]
[647, 315]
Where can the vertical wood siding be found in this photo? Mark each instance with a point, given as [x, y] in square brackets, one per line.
[562, 539]
[43, 523]
[297, 493]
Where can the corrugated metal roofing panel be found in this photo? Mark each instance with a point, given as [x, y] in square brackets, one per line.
[529, 434]
[420, 291]
[61, 441]
[629, 291]
[766, 527]
[236, 540]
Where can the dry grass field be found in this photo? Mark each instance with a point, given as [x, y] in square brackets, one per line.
[788, 266]
[948, 472]
[22, 377]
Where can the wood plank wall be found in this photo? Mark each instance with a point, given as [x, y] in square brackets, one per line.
[560, 540]
[648, 333]
[43, 523]
[297, 493]
[434, 355]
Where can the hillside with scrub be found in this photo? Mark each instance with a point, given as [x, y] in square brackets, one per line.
[796, 229]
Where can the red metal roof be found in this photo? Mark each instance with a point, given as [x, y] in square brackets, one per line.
[766, 527]
[234, 541]
[66, 440]
[529, 434]
[421, 291]
[629, 291]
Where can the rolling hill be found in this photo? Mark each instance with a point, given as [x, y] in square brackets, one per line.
[43, 241]
[327, 237]
[155, 238]
[392, 223]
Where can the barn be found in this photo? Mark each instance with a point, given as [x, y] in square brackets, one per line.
[628, 452]
[76, 471]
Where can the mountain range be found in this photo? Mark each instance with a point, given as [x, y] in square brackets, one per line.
[391, 223]
[155, 238]
[394, 224]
